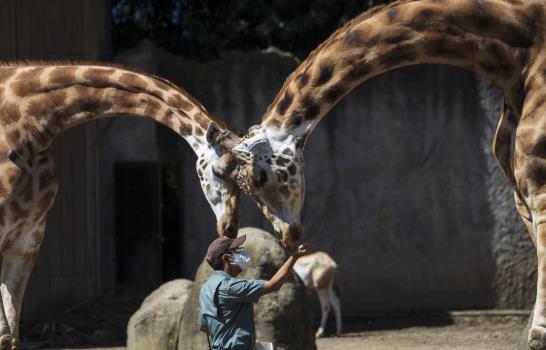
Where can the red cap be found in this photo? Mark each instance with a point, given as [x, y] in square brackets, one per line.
[219, 246]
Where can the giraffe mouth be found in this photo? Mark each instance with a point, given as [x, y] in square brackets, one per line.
[291, 236]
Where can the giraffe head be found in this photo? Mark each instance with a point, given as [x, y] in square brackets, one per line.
[214, 167]
[270, 170]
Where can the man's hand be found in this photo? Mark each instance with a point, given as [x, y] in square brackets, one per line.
[281, 275]
[303, 249]
[204, 329]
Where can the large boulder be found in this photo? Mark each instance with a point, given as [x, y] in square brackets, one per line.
[283, 318]
[155, 324]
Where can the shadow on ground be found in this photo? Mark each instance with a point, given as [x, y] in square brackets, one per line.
[392, 321]
[102, 322]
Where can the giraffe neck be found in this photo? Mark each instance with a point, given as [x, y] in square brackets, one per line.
[488, 37]
[38, 102]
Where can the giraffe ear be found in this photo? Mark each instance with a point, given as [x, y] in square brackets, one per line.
[213, 133]
[225, 165]
[223, 138]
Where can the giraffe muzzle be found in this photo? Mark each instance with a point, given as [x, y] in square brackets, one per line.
[291, 236]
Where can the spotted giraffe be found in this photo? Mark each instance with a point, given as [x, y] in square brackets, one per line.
[40, 100]
[500, 40]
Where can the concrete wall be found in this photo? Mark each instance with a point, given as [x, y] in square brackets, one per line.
[402, 188]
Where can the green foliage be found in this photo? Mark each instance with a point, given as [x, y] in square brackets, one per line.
[202, 29]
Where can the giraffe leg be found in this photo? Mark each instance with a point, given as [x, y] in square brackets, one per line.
[336, 305]
[15, 274]
[5, 332]
[16, 270]
[537, 230]
[324, 311]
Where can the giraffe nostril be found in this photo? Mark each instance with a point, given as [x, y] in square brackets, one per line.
[230, 231]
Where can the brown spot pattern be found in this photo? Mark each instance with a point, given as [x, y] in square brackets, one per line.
[536, 171]
[312, 109]
[333, 93]
[303, 80]
[285, 192]
[326, 71]
[184, 129]
[98, 74]
[285, 102]
[14, 136]
[18, 211]
[199, 131]
[6, 73]
[152, 107]
[10, 113]
[359, 71]
[293, 122]
[44, 105]
[27, 82]
[292, 169]
[185, 105]
[161, 85]
[133, 81]
[63, 75]
[392, 14]
[168, 118]
[358, 36]
[175, 100]
[201, 120]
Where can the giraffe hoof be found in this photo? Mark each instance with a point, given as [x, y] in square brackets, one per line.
[14, 344]
[319, 334]
[537, 338]
[6, 342]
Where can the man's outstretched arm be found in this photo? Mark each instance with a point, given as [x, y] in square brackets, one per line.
[276, 282]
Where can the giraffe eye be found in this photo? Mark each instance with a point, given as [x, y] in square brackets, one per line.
[216, 173]
[260, 178]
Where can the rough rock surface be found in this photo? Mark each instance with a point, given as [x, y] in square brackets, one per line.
[155, 324]
[284, 317]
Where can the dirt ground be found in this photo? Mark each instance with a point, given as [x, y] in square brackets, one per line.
[455, 337]
[489, 336]
[102, 325]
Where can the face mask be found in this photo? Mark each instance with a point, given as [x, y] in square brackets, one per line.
[241, 259]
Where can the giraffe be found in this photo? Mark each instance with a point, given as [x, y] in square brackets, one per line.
[319, 272]
[500, 40]
[38, 100]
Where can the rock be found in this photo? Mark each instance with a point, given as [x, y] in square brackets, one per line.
[284, 317]
[155, 324]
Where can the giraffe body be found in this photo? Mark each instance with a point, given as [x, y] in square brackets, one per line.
[37, 102]
[319, 273]
[500, 40]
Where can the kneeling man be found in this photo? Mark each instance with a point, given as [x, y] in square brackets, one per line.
[226, 302]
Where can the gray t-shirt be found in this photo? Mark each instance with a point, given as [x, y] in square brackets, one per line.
[226, 308]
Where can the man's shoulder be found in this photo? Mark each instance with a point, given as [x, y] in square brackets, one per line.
[240, 283]
[215, 279]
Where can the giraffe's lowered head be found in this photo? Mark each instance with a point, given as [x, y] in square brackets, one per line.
[270, 170]
[214, 166]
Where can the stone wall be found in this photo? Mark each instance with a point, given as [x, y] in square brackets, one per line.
[402, 187]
